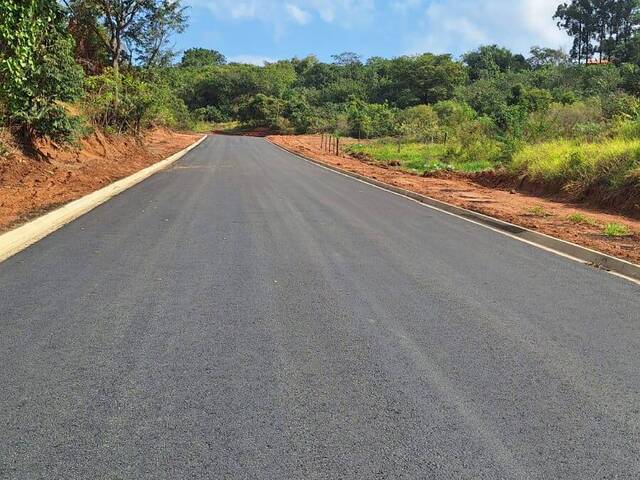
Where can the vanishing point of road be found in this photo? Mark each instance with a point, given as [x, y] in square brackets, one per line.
[246, 314]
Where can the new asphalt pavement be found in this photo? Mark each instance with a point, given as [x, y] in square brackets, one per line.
[246, 314]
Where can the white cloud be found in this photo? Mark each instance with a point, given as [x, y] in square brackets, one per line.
[250, 59]
[297, 14]
[462, 25]
[346, 13]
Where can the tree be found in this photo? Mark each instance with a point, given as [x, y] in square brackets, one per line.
[491, 59]
[37, 69]
[142, 27]
[90, 50]
[546, 57]
[578, 19]
[152, 41]
[202, 57]
[599, 26]
[345, 59]
[421, 79]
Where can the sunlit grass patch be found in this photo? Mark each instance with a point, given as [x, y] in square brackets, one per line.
[418, 157]
[539, 211]
[616, 230]
[581, 219]
[608, 165]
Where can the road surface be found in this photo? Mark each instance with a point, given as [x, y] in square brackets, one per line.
[246, 314]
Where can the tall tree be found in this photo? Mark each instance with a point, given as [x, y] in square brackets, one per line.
[141, 27]
[153, 40]
[598, 26]
[578, 19]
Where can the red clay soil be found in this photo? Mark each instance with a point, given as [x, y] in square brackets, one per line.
[543, 214]
[31, 186]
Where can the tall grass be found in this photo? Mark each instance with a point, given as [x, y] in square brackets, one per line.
[606, 166]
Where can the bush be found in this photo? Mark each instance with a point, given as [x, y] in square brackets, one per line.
[125, 103]
[420, 123]
[620, 106]
[564, 120]
[262, 111]
[452, 113]
[37, 68]
[371, 120]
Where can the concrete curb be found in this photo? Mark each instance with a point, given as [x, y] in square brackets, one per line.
[22, 237]
[568, 249]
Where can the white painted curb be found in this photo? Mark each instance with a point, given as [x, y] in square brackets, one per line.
[22, 237]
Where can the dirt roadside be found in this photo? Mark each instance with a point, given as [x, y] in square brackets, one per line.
[542, 214]
[31, 186]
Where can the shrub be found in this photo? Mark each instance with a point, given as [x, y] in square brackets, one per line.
[452, 113]
[209, 114]
[420, 123]
[565, 121]
[122, 102]
[620, 106]
[262, 110]
[371, 120]
[37, 68]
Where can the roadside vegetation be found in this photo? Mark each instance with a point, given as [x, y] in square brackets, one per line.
[567, 120]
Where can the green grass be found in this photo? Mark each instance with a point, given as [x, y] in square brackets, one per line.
[417, 157]
[581, 219]
[203, 127]
[616, 230]
[608, 165]
[539, 211]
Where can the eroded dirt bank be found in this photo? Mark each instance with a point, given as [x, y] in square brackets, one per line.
[31, 186]
[543, 214]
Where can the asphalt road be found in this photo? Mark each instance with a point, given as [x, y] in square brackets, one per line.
[246, 314]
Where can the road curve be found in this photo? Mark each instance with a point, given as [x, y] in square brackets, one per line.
[246, 314]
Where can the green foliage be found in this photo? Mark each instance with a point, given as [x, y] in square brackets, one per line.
[566, 121]
[37, 69]
[608, 166]
[490, 60]
[262, 110]
[581, 219]
[420, 123]
[201, 57]
[367, 120]
[420, 79]
[616, 230]
[128, 103]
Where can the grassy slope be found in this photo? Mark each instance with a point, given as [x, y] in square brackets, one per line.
[418, 157]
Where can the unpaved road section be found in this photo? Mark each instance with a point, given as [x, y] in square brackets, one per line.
[246, 314]
[545, 215]
[32, 186]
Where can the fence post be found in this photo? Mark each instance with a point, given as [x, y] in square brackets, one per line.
[338, 146]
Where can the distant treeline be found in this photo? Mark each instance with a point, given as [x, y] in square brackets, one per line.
[68, 67]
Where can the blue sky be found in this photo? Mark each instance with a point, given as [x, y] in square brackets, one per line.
[257, 30]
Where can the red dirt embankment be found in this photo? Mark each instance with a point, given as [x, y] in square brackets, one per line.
[544, 214]
[31, 186]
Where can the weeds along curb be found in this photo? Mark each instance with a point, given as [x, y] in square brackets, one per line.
[22, 237]
[567, 249]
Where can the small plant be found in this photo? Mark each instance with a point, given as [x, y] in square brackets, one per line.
[581, 219]
[539, 211]
[616, 230]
